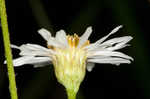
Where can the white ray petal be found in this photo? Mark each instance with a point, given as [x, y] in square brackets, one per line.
[62, 38]
[97, 43]
[118, 42]
[40, 61]
[116, 29]
[112, 32]
[29, 47]
[33, 50]
[36, 50]
[110, 53]
[115, 43]
[36, 47]
[21, 60]
[116, 61]
[91, 47]
[34, 53]
[117, 46]
[85, 36]
[98, 56]
[37, 61]
[55, 43]
[90, 66]
[14, 46]
[124, 39]
[105, 37]
[45, 34]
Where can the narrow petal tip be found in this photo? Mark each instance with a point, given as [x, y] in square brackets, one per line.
[85, 36]
[14, 46]
[120, 26]
[116, 29]
[130, 37]
[89, 29]
[44, 33]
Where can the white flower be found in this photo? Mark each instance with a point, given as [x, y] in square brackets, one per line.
[99, 52]
[72, 55]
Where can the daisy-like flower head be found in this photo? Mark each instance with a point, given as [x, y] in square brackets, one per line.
[72, 55]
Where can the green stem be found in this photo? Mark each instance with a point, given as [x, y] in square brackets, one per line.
[8, 55]
[71, 94]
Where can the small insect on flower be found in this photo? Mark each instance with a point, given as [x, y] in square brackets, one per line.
[72, 55]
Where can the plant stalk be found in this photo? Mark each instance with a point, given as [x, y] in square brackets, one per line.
[71, 94]
[8, 55]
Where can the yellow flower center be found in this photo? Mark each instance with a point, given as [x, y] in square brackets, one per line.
[73, 41]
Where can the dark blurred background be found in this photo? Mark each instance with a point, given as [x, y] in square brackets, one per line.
[128, 81]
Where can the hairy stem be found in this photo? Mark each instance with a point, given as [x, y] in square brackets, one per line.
[8, 55]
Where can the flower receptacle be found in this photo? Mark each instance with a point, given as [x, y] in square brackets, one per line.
[70, 68]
